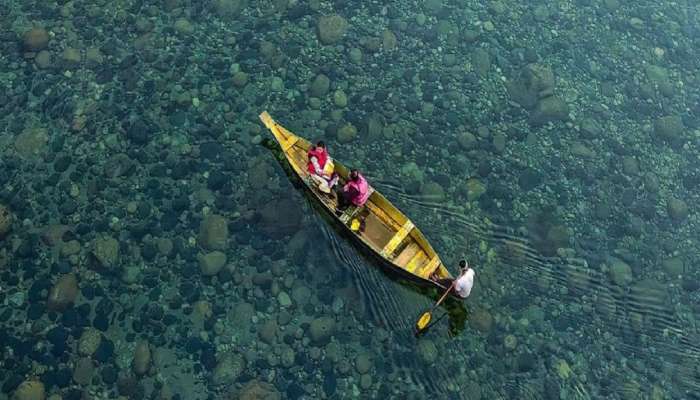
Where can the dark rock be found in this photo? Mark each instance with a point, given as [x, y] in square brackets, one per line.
[109, 375]
[529, 179]
[35, 311]
[549, 109]
[58, 337]
[329, 384]
[295, 391]
[12, 382]
[138, 132]
[105, 351]
[216, 180]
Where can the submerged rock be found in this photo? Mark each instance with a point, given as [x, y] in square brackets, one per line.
[89, 342]
[280, 218]
[63, 294]
[331, 28]
[481, 320]
[533, 83]
[106, 251]
[142, 358]
[677, 209]
[669, 128]
[550, 109]
[6, 219]
[30, 390]
[427, 351]
[211, 263]
[83, 371]
[228, 369]
[620, 272]
[213, 232]
[321, 330]
[35, 39]
[257, 390]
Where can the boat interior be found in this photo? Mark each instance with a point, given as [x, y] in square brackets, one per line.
[382, 227]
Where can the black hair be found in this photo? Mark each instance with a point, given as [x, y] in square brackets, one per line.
[321, 144]
[462, 264]
[354, 175]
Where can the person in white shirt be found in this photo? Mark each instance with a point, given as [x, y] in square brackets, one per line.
[463, 283]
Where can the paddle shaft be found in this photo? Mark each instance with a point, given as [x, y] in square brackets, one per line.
[444, 296]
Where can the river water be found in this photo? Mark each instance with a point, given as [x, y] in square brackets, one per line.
[154, 245]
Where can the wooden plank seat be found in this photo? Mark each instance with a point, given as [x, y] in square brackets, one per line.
[398, 238]
[428, 268]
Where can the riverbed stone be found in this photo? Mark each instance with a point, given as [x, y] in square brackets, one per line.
[35, 39]
[83, 371]
[427, 351]
[347, 133]
[620, 272]
[669, 128]
[331, 28]
[533, 82]
[319, 86]
[89, 342]
[30, 390]
[258, 390]
[106, 251]
[677, 209]
[63, 293]
[211, 263]
[6, 220]
[268, 331]
[142, 358]
[673, 266]
[433, 192]
[549, 109]
[321, 329]
[363, 363]
[213, 232]
[32, 142]
[466, 140]
[481, 320]
[228, 369]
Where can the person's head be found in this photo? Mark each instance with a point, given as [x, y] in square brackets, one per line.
[354, 175]
[321, 144]
[463, 265]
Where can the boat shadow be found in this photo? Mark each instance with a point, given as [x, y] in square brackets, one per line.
[452, 308]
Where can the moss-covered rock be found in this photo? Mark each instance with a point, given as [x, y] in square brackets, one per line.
[213, 232]
[319, 86]
[549, 109]
[321, 329]
[347, 133]
[30, 390]
[677, 209]
[669, 128]
[533, 83]
[6, 219]
[35, 39]
[331, 28]
[63, 294]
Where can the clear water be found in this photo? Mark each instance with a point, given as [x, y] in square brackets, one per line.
[552, 144]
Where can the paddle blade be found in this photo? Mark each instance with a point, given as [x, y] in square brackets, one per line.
[423, 321]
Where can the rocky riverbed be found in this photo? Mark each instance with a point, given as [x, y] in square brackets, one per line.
[150, 247]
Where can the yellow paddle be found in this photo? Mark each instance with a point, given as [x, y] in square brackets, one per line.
[425, 318]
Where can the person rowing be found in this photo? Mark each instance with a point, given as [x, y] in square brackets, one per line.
[320, 167]
[462, 285]
[355, 192]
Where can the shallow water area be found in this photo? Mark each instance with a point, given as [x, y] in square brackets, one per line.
[154, 243]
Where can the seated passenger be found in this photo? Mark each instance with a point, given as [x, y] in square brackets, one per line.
[320, 167]
[356, 191]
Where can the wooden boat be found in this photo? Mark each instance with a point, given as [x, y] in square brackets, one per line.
[387, 232]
